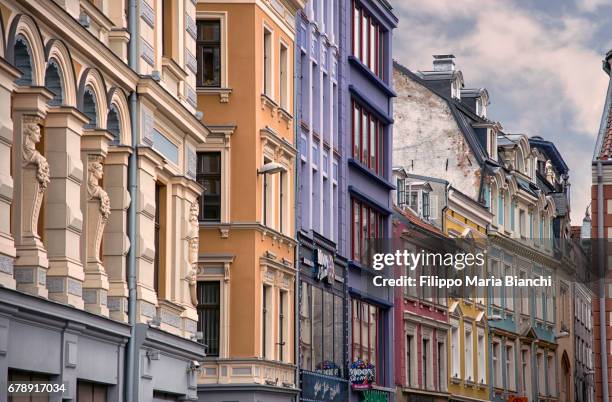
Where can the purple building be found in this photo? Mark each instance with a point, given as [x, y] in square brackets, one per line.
[366, 127]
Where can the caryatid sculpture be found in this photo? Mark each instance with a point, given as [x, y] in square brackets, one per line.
[32, 159]
[193, 245]
[100, 217]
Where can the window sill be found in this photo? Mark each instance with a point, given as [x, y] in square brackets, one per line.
[381, 180]
[267, 101]
[285, 115]
[173, 68]
[373, 77]
[223, 93]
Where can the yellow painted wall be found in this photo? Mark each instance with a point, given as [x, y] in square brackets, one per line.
[457, 223]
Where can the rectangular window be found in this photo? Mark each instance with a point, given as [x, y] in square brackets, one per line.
[469, 355]
[305, 326]
[497, 372]
[284, 77]
[500, 209]
[19, 376]
[208, 53]
[510, 367]
[159, 238]
[425, 364]
[425, 205]
[367, 40]
[401, 192]
[541, 373]
[365, 335]
[482, 367]
[522, 224]
[526, 372]
[508, 290]
[367, 225]
[410, 354]
[367, 134]
[266, 327]
[282, 311]
[209, 310]
[267, 63]
[455, 353]
[441, 364]
[552, 380]
[208, 175]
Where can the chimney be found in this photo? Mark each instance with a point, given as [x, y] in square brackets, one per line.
[444, 62]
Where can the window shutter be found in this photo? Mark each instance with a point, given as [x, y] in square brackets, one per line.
[433, 207]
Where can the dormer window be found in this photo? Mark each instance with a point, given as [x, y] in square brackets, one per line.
[481, 108]
[456, 88]
[492, 143]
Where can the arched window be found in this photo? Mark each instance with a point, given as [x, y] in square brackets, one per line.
[23, 61]
[89, 107]
[112, 124]
[53, 82]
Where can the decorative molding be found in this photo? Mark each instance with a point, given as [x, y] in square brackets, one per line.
[191, 27]
[147, 13]
[147, 53]
[191, 61]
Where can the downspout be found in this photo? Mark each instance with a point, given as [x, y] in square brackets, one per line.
[296, 296]
[130, 375]
[602, 299]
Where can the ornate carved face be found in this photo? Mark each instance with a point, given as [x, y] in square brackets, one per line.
[96, 170]
[33, 132]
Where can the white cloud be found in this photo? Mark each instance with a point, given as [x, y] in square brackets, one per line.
[541, 71]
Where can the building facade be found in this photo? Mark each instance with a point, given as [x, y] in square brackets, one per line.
[600, 196]
[366, 123]
[246, 268]
[421, 312]
[80, 161]
[321, 195]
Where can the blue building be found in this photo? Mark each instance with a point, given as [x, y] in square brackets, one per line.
[322, 253]
[366, 124]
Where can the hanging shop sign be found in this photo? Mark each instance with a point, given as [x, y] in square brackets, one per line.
[361, 375]
[373, 395]
[328, 368]
[321, 388]
[324, 265]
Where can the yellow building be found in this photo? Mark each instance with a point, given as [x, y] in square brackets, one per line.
[468, 353]
[246, 275]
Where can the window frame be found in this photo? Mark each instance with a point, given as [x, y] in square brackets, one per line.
[367, 39]
[201, 176]
[209, 44]
[357, 242]
[368, 139]
[222, 16]
[210, 306]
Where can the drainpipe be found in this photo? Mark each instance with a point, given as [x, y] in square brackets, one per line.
[602, 289]
[133, 191]
[296, 296]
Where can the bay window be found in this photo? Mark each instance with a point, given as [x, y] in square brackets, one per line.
[367, 134]
[367, 224]
[368, 40]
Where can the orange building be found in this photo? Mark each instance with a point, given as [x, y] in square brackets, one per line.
[246, 274]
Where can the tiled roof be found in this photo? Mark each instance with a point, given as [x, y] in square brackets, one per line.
[415, 220]
[606, 145]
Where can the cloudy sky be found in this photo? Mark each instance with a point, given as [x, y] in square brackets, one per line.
[539, 60]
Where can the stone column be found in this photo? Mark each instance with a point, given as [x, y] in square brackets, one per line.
[31, 178]
[64, 218]
[116, 243]
[94, 148]
[8, 74]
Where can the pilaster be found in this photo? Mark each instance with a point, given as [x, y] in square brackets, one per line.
[8, 74]
[116, 242]
[31, 178]
[64, 219]
[94, 148]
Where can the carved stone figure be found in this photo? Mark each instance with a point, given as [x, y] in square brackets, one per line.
[550, 173]
[96, 192]
[193, 245]
[97, 218]
[36, 174]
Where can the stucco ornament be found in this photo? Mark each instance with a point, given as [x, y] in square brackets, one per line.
[31, 156]
[95, 190]
[550, 173]
[193, 245]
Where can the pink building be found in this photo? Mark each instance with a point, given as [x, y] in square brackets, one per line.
[421, 316]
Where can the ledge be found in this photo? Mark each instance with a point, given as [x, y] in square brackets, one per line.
[267, 101]
[364, 197]
[373, 77]
[370, 105]
[223, 93]
[365, 170]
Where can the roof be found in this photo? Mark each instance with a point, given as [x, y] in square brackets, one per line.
[526, 185]
[411, 219]
[560, 203]
[551, 151]
[603, 147]
[606, 146]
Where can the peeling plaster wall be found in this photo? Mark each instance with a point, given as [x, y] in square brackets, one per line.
[427, 137]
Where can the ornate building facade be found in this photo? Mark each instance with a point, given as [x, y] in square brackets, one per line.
[99, 132]
[246, 274]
